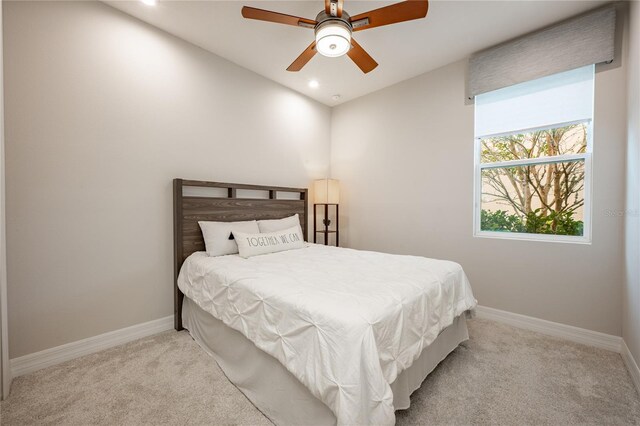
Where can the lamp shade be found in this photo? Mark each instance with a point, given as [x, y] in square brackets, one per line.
[327, 191]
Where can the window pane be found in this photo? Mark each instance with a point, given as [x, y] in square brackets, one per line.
[565, 140]
[535, 199]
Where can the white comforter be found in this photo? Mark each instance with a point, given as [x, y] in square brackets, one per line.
[344, 322]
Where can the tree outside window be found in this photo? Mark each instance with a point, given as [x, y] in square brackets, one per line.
[534, 182]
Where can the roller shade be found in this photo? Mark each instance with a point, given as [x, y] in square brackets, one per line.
[560, 98]
[584, 40]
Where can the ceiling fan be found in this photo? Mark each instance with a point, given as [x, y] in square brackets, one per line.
[333, 28]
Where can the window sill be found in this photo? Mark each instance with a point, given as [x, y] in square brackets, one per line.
[545, 238]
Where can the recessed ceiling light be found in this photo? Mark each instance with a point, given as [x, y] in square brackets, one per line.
[314, 84]
[149, 2]
[336, 97]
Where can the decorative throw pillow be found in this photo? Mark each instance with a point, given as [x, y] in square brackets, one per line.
[270, 242]
[273, 225]
[218, 236]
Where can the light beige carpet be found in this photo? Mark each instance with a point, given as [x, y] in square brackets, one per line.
[501, 376]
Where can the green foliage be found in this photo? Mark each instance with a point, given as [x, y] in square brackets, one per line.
[501, 221]
[558, 223]
[535, 222]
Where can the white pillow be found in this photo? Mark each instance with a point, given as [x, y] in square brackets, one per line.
[270, 242]
[217, 235]
[273, 225]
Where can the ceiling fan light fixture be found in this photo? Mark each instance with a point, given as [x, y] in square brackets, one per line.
[333, 38]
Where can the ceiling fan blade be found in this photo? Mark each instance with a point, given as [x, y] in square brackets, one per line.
[360, 56]
[279, 18]
[304, 57]
[399, 12]
[333, 7]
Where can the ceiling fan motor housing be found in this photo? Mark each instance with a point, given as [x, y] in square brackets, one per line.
[333, 34]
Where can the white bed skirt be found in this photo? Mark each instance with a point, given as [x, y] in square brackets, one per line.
[275, 391]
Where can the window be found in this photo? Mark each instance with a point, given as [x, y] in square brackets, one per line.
[533, 159]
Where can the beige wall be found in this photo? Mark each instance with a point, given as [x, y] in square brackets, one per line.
[631, 300]
[5, 375]
[102, 112]
[404, 156]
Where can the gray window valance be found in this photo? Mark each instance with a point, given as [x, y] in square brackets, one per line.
[586, 39]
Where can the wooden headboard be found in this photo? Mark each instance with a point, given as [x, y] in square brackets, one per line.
[228, 206]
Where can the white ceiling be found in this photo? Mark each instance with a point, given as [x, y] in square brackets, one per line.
[451, 31]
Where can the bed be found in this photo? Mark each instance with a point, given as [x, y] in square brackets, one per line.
[317, 335]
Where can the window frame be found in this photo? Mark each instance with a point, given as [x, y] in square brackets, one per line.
[587, 157]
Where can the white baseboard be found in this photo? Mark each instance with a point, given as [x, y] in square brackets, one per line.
[568, 332]
[38, 360]
[631, 364]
